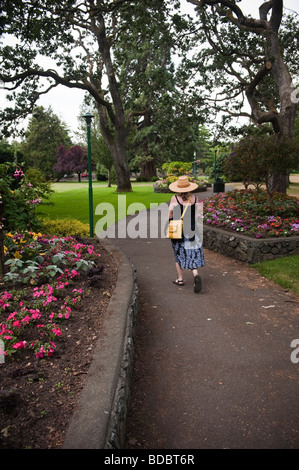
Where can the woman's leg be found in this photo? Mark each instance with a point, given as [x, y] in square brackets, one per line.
[179, 271]
[197, 281]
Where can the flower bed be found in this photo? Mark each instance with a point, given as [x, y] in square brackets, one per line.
[249, 212]
[39, 293]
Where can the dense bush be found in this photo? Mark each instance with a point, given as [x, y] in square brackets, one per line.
[256, 159]
[18, 199]
[177, 168]
[65, 227]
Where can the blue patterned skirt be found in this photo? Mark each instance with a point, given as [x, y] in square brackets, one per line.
[188, 254]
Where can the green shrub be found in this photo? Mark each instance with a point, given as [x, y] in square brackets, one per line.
[177, 168]
[65, 227]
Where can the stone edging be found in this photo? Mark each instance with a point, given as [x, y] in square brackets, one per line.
[244, 248]
[100, 417]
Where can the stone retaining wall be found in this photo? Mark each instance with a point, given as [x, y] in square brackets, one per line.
[116, 434]
[250, 250]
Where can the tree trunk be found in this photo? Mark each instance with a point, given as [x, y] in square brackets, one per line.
[116, 142]
[113, 128]
[148, 170]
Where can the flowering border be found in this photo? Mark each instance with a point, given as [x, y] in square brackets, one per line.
[31, 318]
[250, 213]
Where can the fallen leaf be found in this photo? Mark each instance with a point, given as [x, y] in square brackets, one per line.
[5, 431]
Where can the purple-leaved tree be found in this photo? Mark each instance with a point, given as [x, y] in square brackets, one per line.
[72, 160]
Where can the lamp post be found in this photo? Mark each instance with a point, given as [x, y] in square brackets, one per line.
[194, 165]
[88, 118]
[219, 185]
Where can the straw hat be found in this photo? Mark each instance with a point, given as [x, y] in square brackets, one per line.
[182, 185]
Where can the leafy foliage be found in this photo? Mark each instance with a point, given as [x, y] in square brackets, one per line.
[44, 134]
[31, 318]
[65, 227]
[18, 199]
[72, 160]
[255, 159]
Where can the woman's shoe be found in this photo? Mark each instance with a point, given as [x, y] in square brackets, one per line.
[178, 282]
[197, 284]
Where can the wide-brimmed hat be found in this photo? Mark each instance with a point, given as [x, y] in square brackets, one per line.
[182, 185]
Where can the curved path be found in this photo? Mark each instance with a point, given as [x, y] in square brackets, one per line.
[211, 370]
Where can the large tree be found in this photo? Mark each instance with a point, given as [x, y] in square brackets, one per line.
[79, 37]
[242, 56]
[72, 160]
[163, 121]
[44, 134]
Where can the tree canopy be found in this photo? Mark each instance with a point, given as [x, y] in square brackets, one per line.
[121, 53]
[44, 134]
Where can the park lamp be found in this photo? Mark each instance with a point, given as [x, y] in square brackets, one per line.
[88, 118]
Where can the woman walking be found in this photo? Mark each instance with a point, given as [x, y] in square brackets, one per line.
[188, 250]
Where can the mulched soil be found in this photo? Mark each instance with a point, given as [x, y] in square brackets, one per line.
[38, 397]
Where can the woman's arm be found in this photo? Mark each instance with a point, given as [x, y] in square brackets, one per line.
[173, 203]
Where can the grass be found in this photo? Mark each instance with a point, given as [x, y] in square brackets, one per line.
[293, 189]
[282, 271]
[71, 200]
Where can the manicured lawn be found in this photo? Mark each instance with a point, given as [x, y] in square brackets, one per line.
[71, 200]
[283, 271]
[293, 189]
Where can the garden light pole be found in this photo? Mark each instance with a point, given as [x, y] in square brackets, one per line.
[88, 118]
[215, 166]
[194, 165]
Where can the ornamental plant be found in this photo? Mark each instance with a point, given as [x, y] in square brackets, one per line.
[18, 199]
[250, 212]
[33, 313]
[177, 168]
[17, 203]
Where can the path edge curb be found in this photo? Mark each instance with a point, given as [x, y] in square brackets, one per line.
[99, 420]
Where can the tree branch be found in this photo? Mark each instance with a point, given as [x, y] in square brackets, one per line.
[19, 78]
[241, 20]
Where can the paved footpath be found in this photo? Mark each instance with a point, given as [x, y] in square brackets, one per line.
[212, 370]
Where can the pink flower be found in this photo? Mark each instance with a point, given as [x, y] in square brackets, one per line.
[51, 349]
[35, 314]
[77, 290]
[40, 353]
[19, 345]
[11, 315]
[26, 319]
[56, 331]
